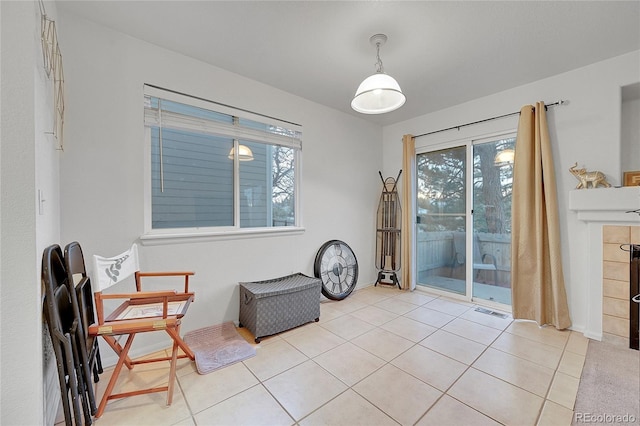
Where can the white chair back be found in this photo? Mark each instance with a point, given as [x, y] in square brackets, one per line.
[111, 270]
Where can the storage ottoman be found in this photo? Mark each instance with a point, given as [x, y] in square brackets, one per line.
[272, 306]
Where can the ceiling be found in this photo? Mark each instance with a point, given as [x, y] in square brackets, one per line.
[441, 53]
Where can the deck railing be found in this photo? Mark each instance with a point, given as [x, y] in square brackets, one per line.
[435, 253]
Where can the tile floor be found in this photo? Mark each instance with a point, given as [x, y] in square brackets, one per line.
[380, 357]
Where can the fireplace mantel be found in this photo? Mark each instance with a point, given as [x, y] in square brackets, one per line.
[606, 204]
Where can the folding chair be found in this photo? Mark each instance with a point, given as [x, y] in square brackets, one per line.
[80, 287]
[63, 322]
[141, 312]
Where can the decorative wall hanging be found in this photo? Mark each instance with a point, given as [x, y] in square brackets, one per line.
[53, 67]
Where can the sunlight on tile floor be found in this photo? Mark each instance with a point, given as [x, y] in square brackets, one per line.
[380, 357]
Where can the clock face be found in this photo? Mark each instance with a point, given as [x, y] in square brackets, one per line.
[337, 267]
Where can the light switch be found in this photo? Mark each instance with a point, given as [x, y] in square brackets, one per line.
[41, 201]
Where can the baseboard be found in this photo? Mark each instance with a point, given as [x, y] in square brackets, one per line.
[52, 398]
[592, 335]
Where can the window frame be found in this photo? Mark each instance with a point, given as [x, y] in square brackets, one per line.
[170, 235]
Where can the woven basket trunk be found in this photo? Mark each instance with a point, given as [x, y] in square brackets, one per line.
[272, 306]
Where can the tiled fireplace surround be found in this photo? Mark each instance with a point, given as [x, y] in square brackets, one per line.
[604, 210]
[615, 282]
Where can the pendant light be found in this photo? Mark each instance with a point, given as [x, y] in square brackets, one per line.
[505, 156]
[244, 153]
[378, 93]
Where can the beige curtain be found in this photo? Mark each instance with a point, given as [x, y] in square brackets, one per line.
[537, 280]
[406, 236]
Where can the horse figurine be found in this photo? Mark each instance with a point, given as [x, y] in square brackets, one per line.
[596, 178]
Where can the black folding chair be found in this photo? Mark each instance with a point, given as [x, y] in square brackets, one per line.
[63, 323]
[82, 299]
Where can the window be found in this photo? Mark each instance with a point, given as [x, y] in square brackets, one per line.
[215, 169]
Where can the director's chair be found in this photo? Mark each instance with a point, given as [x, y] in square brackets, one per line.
[140, 312]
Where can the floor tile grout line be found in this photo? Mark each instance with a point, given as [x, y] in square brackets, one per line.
[530, 340]
[260, 383]
[553, 378]
[286, 369]
[186, 401]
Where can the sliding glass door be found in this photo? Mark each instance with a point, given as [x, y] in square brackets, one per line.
[441, 207]
[464, 213]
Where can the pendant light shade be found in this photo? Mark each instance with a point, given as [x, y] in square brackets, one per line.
[244, 153]
[378, 93]
[505, 156]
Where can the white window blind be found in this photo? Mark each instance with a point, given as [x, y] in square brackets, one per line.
[249, 126]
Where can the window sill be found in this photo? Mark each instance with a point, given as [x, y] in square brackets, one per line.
[152, 239]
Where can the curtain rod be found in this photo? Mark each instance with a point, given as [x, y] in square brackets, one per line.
[560, 102]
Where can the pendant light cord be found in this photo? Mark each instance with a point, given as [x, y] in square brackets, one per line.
[379, 66]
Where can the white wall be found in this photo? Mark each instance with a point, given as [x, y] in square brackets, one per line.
[29, 162]
[102, 168]
[630, 132]
[586, 130]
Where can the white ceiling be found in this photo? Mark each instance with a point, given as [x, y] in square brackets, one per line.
[441, 53]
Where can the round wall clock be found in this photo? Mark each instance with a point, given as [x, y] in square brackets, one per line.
[337, 267]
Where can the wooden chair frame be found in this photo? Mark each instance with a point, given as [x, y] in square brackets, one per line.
[114, 325]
